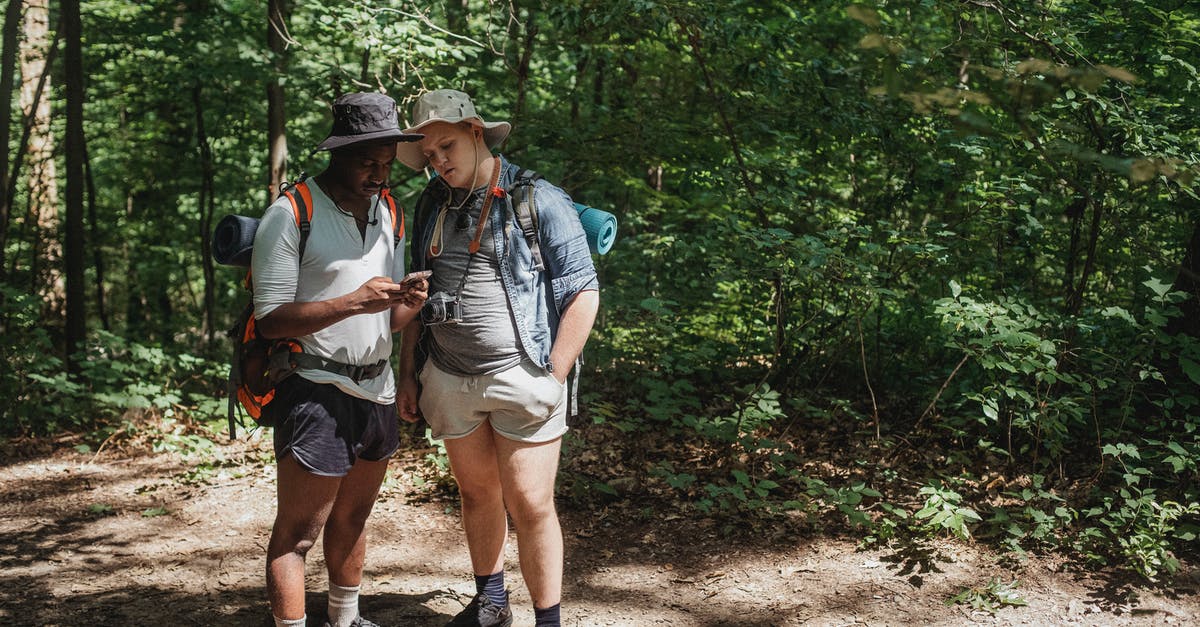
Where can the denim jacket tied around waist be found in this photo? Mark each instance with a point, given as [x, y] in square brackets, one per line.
[568, 262]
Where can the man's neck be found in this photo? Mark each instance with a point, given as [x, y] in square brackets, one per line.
[341, 197]
[484, 171]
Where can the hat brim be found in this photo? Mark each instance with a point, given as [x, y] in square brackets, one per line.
[341, 141]
[410, 153]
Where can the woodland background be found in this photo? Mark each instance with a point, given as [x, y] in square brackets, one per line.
[899, 270]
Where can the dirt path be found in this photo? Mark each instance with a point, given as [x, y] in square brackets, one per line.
[86, 543]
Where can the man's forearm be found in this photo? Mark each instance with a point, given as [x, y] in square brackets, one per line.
[408, 348]
[298, 319]
[573, 330]
[402, 316]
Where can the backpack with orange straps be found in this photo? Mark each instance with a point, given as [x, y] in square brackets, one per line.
[259, 364]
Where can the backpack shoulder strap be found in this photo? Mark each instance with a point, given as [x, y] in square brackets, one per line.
[525, 208]
[397, 214]
[302, 207]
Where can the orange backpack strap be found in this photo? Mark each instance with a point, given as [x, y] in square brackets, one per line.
[302, 207]
[397, 216]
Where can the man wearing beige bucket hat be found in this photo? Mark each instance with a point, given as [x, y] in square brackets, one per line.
[497, 340]
[339, 293]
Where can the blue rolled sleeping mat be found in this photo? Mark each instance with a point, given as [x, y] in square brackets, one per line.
[233, 240]
[599, 226]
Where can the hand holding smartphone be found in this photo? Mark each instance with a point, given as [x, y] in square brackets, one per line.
[412, 288]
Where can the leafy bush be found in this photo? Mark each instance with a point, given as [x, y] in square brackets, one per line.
[117, 379]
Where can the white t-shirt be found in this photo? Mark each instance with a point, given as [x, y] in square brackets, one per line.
[336, 262]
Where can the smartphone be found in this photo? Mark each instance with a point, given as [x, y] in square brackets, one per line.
[413, 277]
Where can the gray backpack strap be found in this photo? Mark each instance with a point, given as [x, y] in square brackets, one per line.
[525, 208]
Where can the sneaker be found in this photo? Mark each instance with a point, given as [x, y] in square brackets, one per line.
[481, 612]
[357, 622]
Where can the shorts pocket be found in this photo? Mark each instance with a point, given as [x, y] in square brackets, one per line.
[545, 390]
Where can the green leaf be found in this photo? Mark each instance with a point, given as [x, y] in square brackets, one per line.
[1160, 288]
[154, 511]
[1190, 368]
[602, 487]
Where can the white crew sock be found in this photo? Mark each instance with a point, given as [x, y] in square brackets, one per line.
[343, 605]
[295, 622]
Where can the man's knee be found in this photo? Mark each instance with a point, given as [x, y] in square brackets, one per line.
[530, 509]
[480, 494]
[284, 544]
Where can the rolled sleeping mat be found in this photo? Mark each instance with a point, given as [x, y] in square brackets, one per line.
[599, 226]
[233, 240]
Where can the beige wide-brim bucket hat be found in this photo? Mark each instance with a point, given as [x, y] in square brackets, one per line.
[446, 105]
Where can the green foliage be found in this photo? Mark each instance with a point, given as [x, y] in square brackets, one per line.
[990, 598]
[118, 381]
[1021, 386]
[1039, 520]
[944, 511]
[1137, 524]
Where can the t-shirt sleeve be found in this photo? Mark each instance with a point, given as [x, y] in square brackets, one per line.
[275, 264]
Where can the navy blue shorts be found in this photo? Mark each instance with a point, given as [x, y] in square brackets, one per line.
[327, 429]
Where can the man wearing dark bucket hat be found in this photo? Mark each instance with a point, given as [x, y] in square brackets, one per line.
[501, 337]
[341, 297]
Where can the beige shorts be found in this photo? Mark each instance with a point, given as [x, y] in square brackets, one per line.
[523, 403]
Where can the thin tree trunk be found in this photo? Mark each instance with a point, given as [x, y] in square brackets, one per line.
[76, 305]
[27, 124]
[43, 178]
[1188, 280]
[277, 18]
[206, 205]
[782, 306]
[94, 228]
[531, 31]
[8, 62]
[1075, 297]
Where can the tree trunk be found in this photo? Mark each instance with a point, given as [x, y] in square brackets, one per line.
[1188, 280]
[76, 305]
[206, 206]
[8, 62]
[96, 238]
[43, 178]
[27, 126]
[531, 31]
[277, 18]
[1074, 301]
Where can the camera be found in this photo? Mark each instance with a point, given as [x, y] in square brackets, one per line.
[441, 308]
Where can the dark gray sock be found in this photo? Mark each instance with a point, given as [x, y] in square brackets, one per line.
[548, 617]
[493, 586]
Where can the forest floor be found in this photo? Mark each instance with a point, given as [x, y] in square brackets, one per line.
[129, 536]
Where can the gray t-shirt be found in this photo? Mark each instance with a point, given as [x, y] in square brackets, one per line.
[485, 340]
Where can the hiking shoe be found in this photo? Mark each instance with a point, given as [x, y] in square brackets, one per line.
[357, 622]
[481, 612]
